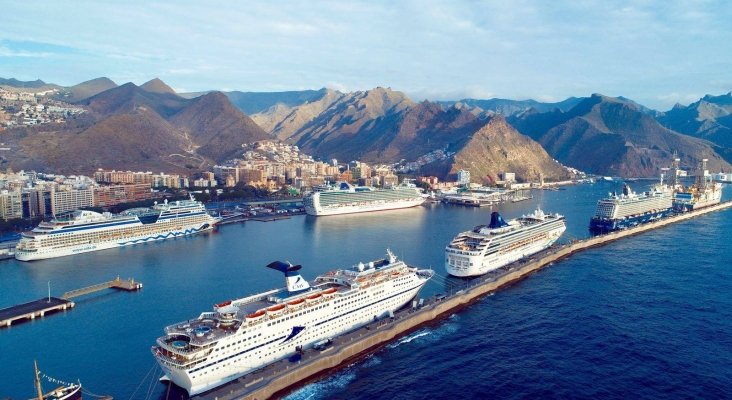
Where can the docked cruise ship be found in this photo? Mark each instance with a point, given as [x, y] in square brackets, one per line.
[348, 199]
[488, 247]
[628, 209]
[244, 335]
[85, 231]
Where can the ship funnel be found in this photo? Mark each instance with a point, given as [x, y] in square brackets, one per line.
[497, 221]
[294, 281]
[626, 190]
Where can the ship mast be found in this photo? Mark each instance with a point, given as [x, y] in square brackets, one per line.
[38, 381]
[701, 175]
[673, 173]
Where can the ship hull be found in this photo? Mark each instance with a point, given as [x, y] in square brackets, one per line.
[194, 382]
[477, 265]
[691, 206]
[322, 211]
[42, 254]
[604, 225]
[64, 393]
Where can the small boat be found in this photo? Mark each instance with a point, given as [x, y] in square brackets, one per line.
[276, 309]
[65, 392]
[221, 305]
[313, 297]
[255, 316]
[295, 304]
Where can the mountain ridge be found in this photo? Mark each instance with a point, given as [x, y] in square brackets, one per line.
[612, 136]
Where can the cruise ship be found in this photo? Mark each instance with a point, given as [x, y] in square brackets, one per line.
[348, 199]
[489, 247]
[703, 193]
[244, 335]
[84, 231]
[628, 209]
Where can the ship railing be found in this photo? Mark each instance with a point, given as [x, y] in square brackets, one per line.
[171, 358]
[187, 350]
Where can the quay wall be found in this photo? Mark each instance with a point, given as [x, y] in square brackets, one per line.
[375, 338]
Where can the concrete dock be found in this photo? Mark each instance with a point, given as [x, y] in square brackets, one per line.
[39, 308]
[280, 377]
[33, 310]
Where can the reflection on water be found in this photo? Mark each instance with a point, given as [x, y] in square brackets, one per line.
[186, 276]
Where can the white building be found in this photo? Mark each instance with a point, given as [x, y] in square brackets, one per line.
[70, 200]
[463, 177]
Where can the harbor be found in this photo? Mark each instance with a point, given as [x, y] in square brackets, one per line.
[276, 379]
[194, 266]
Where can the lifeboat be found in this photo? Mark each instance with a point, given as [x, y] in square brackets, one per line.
[313, 297]
[224, 304]
[330, 292]
[395, 273]
[276, 309]
[295, 304]
[255, 316]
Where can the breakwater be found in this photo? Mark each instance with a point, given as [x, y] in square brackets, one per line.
[282, 376]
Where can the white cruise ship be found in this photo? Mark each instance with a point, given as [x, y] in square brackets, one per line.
[244, 335]
[355, 199]
[488, 247]
[86, 231]
[628, 209]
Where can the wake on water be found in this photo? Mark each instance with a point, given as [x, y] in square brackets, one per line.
[340, 380]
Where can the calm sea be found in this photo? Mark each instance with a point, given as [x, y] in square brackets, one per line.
[644, 317]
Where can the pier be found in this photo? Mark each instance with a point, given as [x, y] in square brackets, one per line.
[129, 285]
[46, 305]
[277, 378]
[33, 310]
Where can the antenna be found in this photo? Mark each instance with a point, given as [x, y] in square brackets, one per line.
[49, 291]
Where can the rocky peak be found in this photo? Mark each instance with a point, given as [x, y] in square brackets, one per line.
[156, 85]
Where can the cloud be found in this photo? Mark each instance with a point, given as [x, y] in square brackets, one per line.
[428, 48]
[6, 52]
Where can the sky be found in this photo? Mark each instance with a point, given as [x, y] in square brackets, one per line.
[654, 52]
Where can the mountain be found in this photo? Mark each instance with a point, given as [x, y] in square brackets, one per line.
[257, 102]
[128, 97]
[613, 136]
[37, 85]
[508, 108]
[157, 86]
[283, 121]
[217, 127]
[496, 148]
[84, 90]
[384, 126]
[709, 118]
[127, 127]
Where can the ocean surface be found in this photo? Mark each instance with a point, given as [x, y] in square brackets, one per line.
[644, 317]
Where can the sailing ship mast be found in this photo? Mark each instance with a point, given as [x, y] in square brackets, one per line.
[38, 381]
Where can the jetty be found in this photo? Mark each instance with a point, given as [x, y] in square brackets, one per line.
[129, 285]
[33, 310]
[39, 308]
[282, 376]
